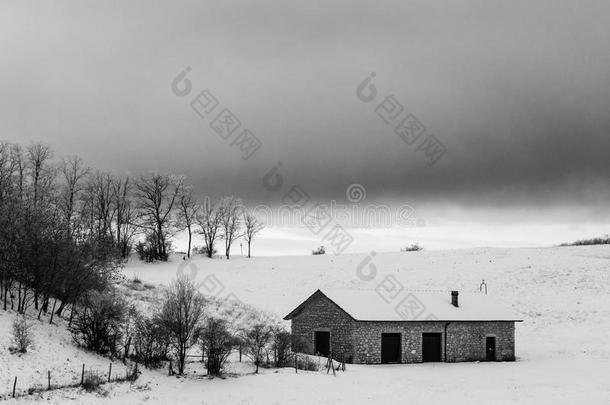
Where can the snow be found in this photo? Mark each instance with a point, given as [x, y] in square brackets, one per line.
[53, 350]
[562, 295]
[367, 305]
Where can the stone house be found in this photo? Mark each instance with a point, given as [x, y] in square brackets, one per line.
[366, 327]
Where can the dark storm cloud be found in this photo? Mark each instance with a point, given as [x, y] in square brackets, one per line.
[517, 92]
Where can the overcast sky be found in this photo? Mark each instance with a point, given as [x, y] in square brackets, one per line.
[518, 92]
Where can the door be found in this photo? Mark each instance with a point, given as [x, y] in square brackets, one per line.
[322, 343]
[490, 348]
[431, 347]
[390, 348]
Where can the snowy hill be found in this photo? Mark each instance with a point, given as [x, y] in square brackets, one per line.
[562, 294]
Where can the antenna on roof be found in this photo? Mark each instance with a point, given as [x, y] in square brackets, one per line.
[483, 284]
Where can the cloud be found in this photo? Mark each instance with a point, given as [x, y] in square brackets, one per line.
[516, 92]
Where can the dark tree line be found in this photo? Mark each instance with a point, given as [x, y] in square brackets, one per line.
[57, 229]
[65, 228]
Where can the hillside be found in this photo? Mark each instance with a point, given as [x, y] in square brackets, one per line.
[562, 294]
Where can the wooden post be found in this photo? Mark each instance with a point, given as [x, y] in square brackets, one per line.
[82, 376]
[14, 386]
[109, 372]
[49, 379]
[296, 364]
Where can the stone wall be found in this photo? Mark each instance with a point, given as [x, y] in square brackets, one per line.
[465, 340]
[360, 341]
[323, 315]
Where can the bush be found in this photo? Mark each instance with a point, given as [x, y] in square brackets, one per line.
[203, 250]
[92, 380]
[412, 248]
[586, 242]
[255, 341]
[319, 251]
[181, 317]
[217, 344]
[21, 333]
[281, 343]
[151, 342]
[99, 323]
[147, 249]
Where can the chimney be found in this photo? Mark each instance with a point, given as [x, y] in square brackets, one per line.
[454, 298]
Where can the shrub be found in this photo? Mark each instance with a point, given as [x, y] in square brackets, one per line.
[92, 380]
[319, 251]
[99, 323]
[203, 250]
[217, 344]
[181, 315]
[151, 342]
[412, 248]
[586, 242]
[21, 333]
[255, 340]
[281, 343]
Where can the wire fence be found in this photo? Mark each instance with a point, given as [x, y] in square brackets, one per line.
[90, 379]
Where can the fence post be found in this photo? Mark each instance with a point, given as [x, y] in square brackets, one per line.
[109, 372]
[82, 376]
[14, 386]
[49, 379]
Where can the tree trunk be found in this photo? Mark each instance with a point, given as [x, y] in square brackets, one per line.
[6, 290]
[60, 309]
[210, 250]
[53, 311]
[188, 252]
[248, 249]
[72, 313]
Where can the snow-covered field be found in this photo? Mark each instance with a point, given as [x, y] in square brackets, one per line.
[562, 294]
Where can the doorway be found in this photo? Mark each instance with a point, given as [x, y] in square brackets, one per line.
[390, 348]
[490, 348]
[431, 347]
[322, 343]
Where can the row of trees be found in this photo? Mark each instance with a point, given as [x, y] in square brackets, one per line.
[108, 326]
[65, 228]
[57, 238]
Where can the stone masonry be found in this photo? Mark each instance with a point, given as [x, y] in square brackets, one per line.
[360, 341]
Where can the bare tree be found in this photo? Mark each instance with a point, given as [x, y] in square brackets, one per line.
[255, 340]
[217, 343]
[22, 335]
[74, 172]
[252, 226]
[156, 199]
[181, 315]
[40, 170]
[187, 213]
[124, 214]
[230, 215]
[98, 206]
[209, 220]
